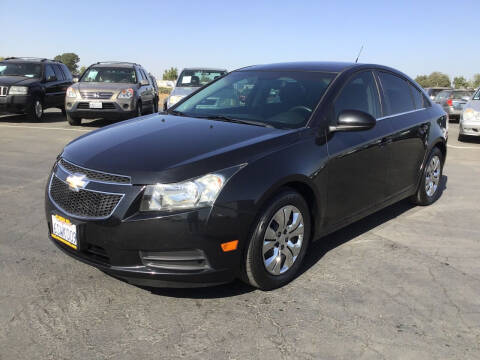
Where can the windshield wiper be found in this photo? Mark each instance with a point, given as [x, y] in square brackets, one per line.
[175, 112]
[232, 120]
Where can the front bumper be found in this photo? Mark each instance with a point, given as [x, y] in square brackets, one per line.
[15, 104]
[111, 109]
[154, 249]
[469, 128]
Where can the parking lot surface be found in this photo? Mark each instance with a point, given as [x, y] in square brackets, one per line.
[403, 283]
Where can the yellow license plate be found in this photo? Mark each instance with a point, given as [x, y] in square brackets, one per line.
[64, 231]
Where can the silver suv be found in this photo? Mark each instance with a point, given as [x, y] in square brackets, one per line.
[111, 90]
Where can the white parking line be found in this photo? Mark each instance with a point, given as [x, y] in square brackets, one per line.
[463, 147]
[44, 128]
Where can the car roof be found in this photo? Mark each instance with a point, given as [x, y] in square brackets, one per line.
[321, 66]
[204, 68]
[30, 60]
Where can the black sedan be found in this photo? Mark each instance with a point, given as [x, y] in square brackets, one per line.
[238, 178]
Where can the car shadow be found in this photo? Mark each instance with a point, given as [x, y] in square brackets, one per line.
[470, 140]
[48, 117]
[317, 251]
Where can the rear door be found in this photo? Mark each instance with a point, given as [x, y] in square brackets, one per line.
[358, 160]
[406, 111]
[62, 85]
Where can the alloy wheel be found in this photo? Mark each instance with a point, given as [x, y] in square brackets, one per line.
[38, 109]
[432, 176]
[283, 240]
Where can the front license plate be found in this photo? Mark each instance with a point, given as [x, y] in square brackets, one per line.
[95, 105]
[64, 231]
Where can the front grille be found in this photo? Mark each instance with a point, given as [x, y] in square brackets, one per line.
[96, 95]
[105, 105]
[84, 203]
[3, 90]
[94, 175]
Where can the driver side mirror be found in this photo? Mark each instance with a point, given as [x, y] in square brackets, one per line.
[144, 82]
[51, 78]
[353, 120]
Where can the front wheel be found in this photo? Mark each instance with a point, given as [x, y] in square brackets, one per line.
[139, 109]
[430, 185]
[37, 110]
[73, 120]
[279, 242]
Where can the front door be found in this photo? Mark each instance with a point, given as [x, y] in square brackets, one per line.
[358, 160]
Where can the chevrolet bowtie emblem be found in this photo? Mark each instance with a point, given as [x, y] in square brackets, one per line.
[77, 181]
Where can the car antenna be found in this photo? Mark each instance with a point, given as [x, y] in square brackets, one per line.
[356, 60]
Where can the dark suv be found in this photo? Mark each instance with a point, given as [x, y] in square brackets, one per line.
[111, 90]
[30, 85]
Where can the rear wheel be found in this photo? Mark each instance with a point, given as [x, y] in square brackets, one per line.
[155, 105]
[73, 120]
[429, 190]
[139, 109]
[279, 242]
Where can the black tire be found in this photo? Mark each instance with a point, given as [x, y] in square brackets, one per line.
[155, 105]
[255, 272]
[64, 112]
[462, 138]
[73, 120]
[37, 110]
[422, 197]
[139, 109]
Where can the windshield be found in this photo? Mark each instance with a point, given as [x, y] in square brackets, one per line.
[283, 99]
[29, 70]
[110, 75]
[198, 78]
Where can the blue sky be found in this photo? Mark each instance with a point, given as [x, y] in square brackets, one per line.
[407, 35]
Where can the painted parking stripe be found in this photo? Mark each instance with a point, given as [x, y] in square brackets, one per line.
[45, 128]
[463, 147]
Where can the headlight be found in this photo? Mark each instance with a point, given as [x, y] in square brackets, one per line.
[172, 100]
[125, 94]
[192, 194]
[71, 93]
[18, 90]
[470, 114]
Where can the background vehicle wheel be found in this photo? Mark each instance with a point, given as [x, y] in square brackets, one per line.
[139, 109]
[37, 110]
[64, 112]
[429, 190]
[462, 138]
[74, 121]
[155, 106]
[279, 242]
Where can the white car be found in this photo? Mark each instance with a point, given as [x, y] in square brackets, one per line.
[470, 118]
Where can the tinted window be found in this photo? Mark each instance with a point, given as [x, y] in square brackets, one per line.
[360, 93]
[445, 94]
[144, 75]
[30, 70]
[418, 98]
[58, 72]
[110, 75]
[49, 71]
[397, 94]
[283, 99]
[66, 72]
[140, 75]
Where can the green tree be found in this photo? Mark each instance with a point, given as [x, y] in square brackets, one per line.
[69, 59]
[422, 80]
[82, 70]
[475, 82]
[1, 58]
[170, 74]
[459, 82]
[438, 79]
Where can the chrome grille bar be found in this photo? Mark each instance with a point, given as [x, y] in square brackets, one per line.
[3, 90]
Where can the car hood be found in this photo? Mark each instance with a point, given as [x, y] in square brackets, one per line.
[167, 148]
[473, 104]
[183, 91]
[95, 86]
[17, 80]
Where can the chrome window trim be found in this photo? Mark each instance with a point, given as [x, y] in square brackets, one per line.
[398, 114]
[59, 163]
[78, 216]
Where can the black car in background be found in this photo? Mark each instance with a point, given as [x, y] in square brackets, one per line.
[238, 178]
[31, 85]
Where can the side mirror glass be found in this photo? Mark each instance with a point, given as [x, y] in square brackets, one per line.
[51, 78]
[144, 82]
[75, 79]
[353, 120]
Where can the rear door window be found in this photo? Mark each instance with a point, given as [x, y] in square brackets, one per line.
[58, 72]
[397, 94]
[360, 93]
[418, 98]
